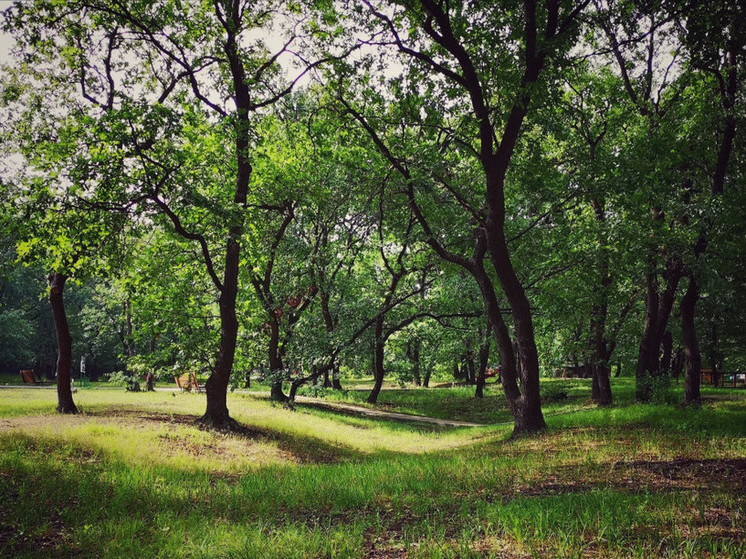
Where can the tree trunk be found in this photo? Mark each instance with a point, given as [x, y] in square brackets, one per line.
[600, 368]
[378, 355]
[65, 403]
[524, 414]
[276, 366]
[667, 346]
[484, 356]
[415, 359]
[294, 386]
[216, 413]
[336, 384]
[469, 369]
[658, 311]
[691, 349]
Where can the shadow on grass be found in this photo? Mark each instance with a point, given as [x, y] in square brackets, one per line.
[303, 448]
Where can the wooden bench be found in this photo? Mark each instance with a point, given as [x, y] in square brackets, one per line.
[188, 382]
[28, 376]
[725, 379]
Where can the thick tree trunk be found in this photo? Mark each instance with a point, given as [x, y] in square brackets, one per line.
[276, 393]
[527, 410]
[65, 403]
[658, 310]
[691, 348]
[216, 414]
[426, 378]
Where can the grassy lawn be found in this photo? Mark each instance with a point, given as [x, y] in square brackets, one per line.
[133, 476]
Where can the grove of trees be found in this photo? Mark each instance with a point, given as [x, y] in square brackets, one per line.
[400, 189]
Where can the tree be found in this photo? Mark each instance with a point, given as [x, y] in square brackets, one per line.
[450, 61]
[134, 61]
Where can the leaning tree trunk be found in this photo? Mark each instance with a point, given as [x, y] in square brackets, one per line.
[528, 417]
[508, 366]
[65, 403]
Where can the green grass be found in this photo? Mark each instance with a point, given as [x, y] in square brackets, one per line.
[134, 476]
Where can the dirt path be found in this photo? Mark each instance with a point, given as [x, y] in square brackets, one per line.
[381, 414]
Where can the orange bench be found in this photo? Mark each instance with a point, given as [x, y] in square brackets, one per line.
[188, 382]
[29, 377]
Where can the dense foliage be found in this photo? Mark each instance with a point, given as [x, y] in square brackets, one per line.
[303, 191]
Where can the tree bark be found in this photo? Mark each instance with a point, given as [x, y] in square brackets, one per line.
[658, 310]
[484, 356]
[216, 413]
[378, 355]
[599, 365]
[276, 366]
[336, 384]
[413, 351]
[691, 348]
[65, 403]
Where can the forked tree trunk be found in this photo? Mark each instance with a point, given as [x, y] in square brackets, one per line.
[527, 415]
[65, 403]
[658, 310]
